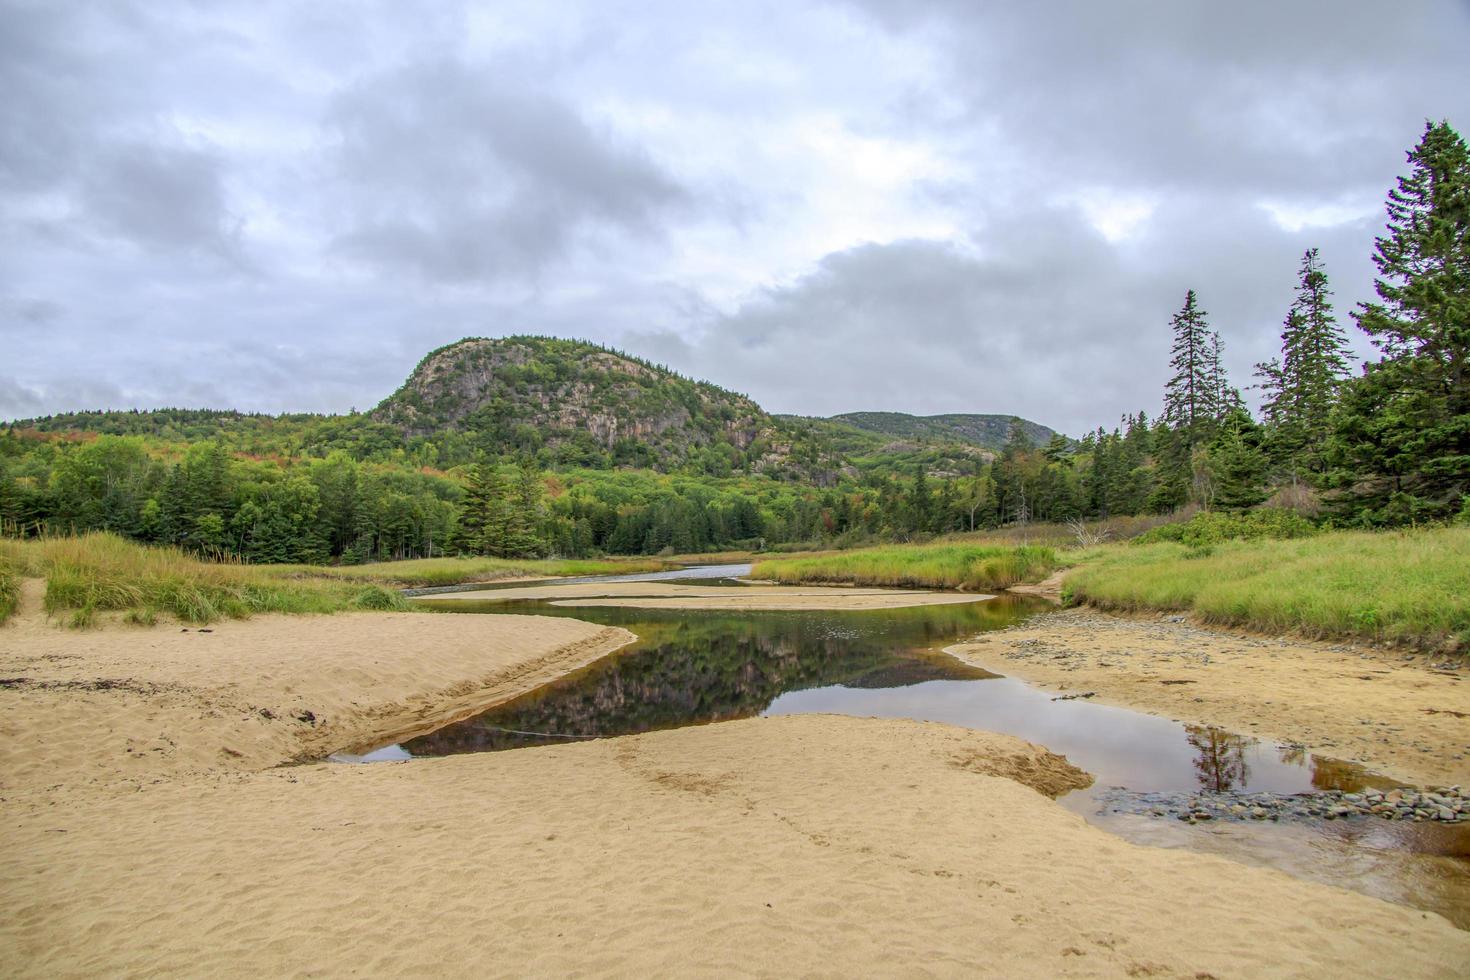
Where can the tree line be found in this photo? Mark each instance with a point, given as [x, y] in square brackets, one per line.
[1388, 445]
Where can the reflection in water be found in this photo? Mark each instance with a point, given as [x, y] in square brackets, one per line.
[696, 667]
[1219, 758]
[690, 667]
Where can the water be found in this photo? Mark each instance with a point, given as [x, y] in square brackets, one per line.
[695, 667]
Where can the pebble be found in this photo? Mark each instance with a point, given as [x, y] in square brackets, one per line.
[1445, 805]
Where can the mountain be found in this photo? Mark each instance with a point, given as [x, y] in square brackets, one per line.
[987, 432]
[573, 404]
[577, 398]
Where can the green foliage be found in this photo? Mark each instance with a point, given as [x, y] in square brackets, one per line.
[378, 598]
[102, 573]
[1301, 389]
[1405, 586]
[9, 589]
[1401, 446]
[939, 566]
[1195, 397]
[1213, 527]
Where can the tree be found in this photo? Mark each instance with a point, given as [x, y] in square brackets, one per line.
[482, 516]
[1237, 464]
[1302, 388]
[1191, 397]
[1401, 444]
[523, 515]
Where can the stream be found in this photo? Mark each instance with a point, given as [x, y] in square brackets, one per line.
[692, 667]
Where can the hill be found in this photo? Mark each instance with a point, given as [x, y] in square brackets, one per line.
[591, 405]
[984, 431]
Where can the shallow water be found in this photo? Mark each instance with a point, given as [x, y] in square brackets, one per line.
[694, 667]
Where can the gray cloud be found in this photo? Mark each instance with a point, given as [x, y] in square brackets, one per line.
[926, 206]
[473, 175]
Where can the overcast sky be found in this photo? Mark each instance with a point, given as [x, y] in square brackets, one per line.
[915, 205]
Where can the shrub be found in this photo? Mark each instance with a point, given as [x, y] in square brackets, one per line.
[1213, 527]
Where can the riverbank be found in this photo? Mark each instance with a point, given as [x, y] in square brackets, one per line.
[674, 595]
[123, 706]
[769, 846]
[1408, 588]
[1406, 718]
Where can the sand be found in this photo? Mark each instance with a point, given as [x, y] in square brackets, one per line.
[801, 845]
[669, 595]
[1406, 720]
[795, 845]
[128, 704]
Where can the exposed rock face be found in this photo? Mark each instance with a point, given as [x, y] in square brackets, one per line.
[574, 392]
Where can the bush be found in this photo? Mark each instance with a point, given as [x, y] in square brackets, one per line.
[1214, 527]
[378, 598]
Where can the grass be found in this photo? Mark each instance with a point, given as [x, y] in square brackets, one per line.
[9, 589]
[101, 573]
[95, 574]
[931, 566]
[423, 572]
[1410, 587]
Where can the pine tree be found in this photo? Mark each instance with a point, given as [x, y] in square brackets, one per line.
[1237, 463]
[1401, 448]
[1192, 396]
[523, 516]
[1302, 387]
[481, 527]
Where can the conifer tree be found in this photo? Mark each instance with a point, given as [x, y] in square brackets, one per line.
[1401, 446]
[523, 515]
[1192, 394]
[1301, 388]
[1237, 463]
[481, 529]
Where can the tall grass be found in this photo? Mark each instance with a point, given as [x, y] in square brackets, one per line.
[97, 573]
[1407, 586]
[420, 572]
[9, 589]
[933, 566]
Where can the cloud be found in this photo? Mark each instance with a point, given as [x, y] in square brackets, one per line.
[463, 174]
[928, 205]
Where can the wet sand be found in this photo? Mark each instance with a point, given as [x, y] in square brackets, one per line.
[1404, 719]
[673, 595]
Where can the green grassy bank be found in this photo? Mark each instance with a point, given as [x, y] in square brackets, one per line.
[935, 566]
[1406, 586]
[1263, 571]
[99, 573]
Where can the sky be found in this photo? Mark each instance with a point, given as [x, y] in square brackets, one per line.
[872, 205]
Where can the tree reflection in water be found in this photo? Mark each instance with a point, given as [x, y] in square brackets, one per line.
[1220, 758]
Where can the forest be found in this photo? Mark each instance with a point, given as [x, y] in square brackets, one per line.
[1387, 446]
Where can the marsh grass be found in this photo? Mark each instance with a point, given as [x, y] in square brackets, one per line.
[1409, 587]
[102, 573]
[9, 589]
[424, 572]
[932, 566]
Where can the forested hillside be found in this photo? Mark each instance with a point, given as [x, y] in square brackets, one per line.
[983, 431]
[530, 446]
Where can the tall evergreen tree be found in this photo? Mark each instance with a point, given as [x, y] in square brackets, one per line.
[1192, 394]
[1301, 388]
[1402, 443]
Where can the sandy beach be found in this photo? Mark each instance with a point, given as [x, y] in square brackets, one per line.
[807, 844]
[800, 845]
[672, 595]
[127, 705]
[1408, 720]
